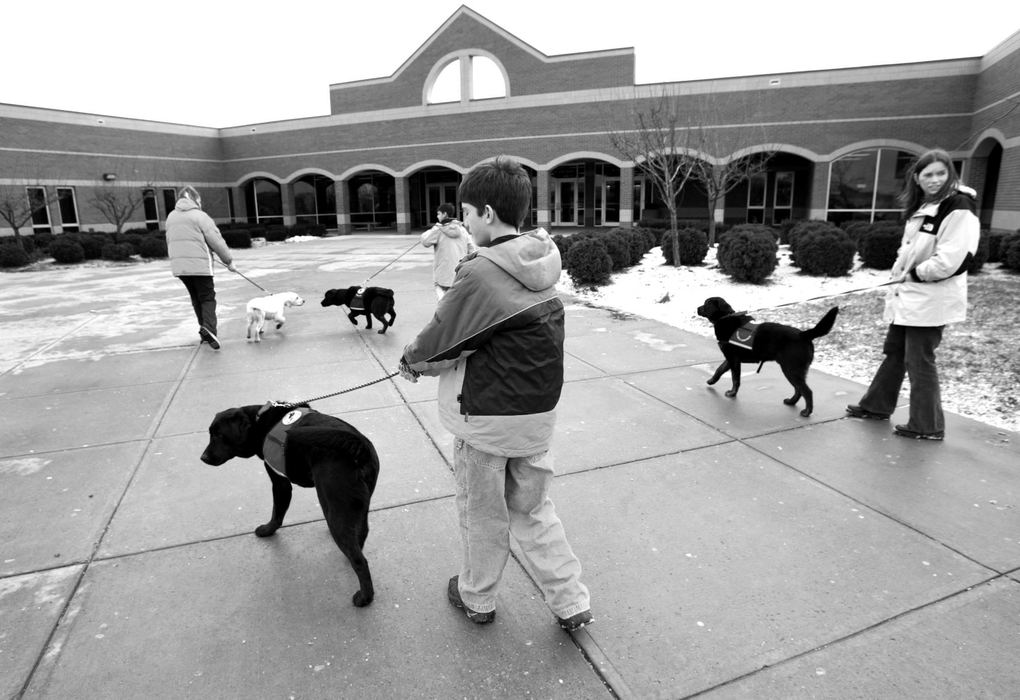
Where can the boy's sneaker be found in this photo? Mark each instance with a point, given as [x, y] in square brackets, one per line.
[576, 622]
[453, 593]
[904, 431]
[855, 411]
[208, 337]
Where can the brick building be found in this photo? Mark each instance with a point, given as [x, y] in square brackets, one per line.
[394, 148]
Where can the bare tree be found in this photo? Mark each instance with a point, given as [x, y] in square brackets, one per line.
[17, 208]
[659, 144]
[117, 204]
[717, 180]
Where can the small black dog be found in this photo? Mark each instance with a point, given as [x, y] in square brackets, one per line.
[374, 301]
[301, 446]
[792, 348]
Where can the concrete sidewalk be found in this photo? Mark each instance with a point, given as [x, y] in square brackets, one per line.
[733, 548]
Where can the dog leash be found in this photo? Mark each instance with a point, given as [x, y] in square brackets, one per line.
[413, 246]
[289, 404]
[238, 272]
[824, 296]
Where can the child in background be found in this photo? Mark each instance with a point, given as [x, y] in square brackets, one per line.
[451, 242]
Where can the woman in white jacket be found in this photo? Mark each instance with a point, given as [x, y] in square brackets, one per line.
[939, 242]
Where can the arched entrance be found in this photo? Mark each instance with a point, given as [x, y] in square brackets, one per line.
[430, 187]
[315, 201]
[584, 192]
[372, 195]
[780, 193]
[263, 201]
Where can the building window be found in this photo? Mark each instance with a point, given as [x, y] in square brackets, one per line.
[149, 206]
[782, 197]
[230, 205]
[68, 210]
[756, 185]
[169, 200]
[40, 209]
[469, 76]
[264, 201]
[373, 198]
[315, 201]
[863, 185]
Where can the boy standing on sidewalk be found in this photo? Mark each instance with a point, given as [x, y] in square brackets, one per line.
[451, 243]
[496, 342]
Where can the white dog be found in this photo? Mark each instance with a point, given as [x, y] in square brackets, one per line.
[270, 308]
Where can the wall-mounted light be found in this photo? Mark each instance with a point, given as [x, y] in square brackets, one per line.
[109, 177]
[775, 82]
[100, 121]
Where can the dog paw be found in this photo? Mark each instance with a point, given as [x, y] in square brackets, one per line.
[265, 530]
[382, 332]
[360, 600]
[790, 402]
[712, 381]
[732, 394]
[806, 413]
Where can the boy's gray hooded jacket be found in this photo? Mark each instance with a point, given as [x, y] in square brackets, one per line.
[496, 341]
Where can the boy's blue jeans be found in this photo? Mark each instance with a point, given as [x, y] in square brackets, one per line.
[909, 350]
[502, 496]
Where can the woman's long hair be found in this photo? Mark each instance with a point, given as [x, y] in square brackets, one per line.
[912, 196]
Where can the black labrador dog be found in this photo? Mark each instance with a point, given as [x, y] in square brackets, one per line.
[792, 348]
[301, 446]
[374, 301]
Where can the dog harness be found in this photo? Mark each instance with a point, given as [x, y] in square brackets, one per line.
[276, 440]
[358, 301]
[743, 337]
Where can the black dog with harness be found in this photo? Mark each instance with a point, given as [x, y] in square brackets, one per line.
[299, 445]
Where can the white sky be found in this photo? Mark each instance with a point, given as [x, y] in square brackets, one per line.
[227, 63]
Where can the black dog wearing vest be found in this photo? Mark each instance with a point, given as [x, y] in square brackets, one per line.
[743, 341]
[372, 301]
[301, 446]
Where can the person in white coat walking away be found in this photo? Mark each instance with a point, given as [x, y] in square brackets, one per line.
[940, 239]
[451, 242]
[191, 238]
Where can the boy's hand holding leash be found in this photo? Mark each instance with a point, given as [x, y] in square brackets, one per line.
[407, 373]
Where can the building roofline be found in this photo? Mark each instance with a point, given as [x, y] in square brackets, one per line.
[464, 10]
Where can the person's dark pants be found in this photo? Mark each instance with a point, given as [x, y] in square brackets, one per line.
[909, 350]
[203, 300]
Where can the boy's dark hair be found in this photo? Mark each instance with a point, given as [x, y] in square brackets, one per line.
[502, 184]
[448, 209]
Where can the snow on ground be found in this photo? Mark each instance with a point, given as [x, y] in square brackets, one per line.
[642, 290]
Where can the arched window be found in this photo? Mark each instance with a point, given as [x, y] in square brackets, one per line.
[466, 76]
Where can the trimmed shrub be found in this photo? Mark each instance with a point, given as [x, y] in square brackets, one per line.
[854, 229]
[66, 251]
[828, 253]
[13, 255]
[40, 241]
[153, 247]
[798, 231]
[618, 248]
[563, 245]
[91, 244]
[118, 252]
[878, 245]
[651, 237]
[237, 238]
[588, 262]
[276, 234]
[693, 244]
[317, 230]
[131, 238]
[638, 244]
[997, 242]
[981, 256]
[1011, 253]
[747, 253]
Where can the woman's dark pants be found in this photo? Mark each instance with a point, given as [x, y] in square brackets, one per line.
[203, 300]
[910, 351]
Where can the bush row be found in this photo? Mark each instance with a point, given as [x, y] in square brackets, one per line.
[241, 235]
[591, 256]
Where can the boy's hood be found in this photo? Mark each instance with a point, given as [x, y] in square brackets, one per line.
[531, 258]
[185, 204]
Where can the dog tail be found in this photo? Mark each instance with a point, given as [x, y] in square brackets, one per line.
[823, 327]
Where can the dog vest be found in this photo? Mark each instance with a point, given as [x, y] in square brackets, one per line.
[743, 337]
[358, 302]
[276, 440]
